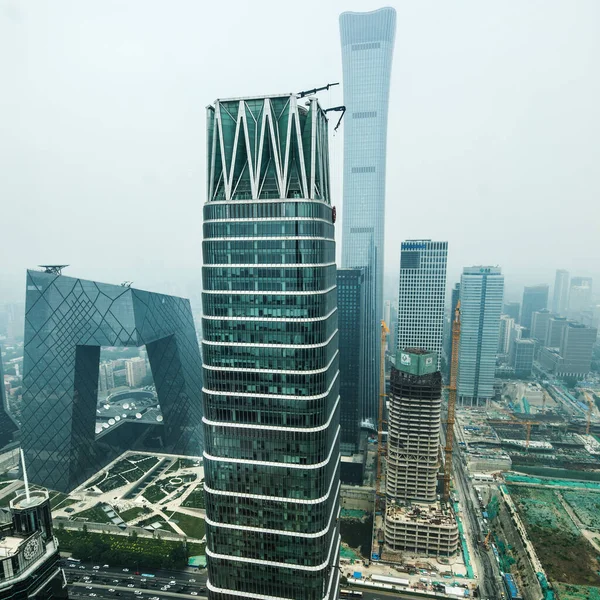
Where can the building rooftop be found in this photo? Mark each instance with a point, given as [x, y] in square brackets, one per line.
[10, 545]
[430, 514]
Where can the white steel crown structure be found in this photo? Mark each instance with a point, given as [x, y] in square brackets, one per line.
[270, 353]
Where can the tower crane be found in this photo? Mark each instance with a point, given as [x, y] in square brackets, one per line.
[380, 451]
[451, 401]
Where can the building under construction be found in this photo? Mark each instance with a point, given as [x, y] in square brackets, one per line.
[415, 521]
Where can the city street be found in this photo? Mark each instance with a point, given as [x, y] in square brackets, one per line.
[126, 584]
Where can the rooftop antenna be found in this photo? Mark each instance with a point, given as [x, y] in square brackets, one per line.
[25, 480]
[53, 269]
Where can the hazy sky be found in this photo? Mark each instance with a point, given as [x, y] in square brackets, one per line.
[493, 144]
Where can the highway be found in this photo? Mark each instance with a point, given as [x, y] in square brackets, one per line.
[109, 582]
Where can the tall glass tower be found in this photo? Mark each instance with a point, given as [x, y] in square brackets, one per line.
[270, 353]
[367, 48]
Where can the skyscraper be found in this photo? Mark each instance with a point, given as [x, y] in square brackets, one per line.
[540, 321]
[513, 310]
[270, 352]
[580, 296]
[67, 321]
[350, 302]
[560, 296]
[8, 427]
[136, 371]
[481, 295]
[535, 297]
[421, 295]
[367, 48]
[506, 326]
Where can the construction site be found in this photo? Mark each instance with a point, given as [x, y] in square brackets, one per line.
[494, 501]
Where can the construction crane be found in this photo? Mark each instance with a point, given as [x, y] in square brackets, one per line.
[451, 401]
[591, 403]
[380, 451]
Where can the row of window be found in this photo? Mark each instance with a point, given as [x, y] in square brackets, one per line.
[267, 210]
[318, 229]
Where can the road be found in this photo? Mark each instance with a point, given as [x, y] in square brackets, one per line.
[487, 567]
[125, 582]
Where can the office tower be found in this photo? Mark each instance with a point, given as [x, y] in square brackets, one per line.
[454, 298]
[8, 427]
[415, 405]
[136, 371]
[481, 292]
[507, 324]
[106, 380]
[560, 296]
[421, 295]
[576, 348]
[513, 310]
[29, 556]
[580, 296]
[535, 297]
[522, 357]
[270, 352]
[556, 326]
[367, 48]
[350, 304]
[540, 320]
[67, 322]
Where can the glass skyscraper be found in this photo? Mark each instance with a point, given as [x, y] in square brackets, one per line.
[67, 321]
[367, 48]
[481, 297]
[535, 297]
[421, 295]
[270, 352]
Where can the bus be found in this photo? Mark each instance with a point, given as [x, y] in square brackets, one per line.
[350, 594]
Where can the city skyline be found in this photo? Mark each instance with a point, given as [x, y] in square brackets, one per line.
[148, 166]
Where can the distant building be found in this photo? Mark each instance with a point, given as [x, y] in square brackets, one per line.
[136, 371]
[522, 357]
[414, 519]
[507, 324]
[556, 326]
[540, 321]
[560, 296]
[573, 358]
[580, 296]
[454, 298]
[513, 310]
[8, 426]
[421, 295]
[106, 379]
[350, 301]
[29, 556]
[481, 295]
[535, 298]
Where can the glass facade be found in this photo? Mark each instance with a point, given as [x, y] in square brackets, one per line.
[8, 426]
[421, 295]
[350, 311]
[367, 48]
[270, 352]
[481, 297]
[67, 321]
[534, 298]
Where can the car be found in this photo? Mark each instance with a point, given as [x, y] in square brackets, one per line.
[112, 590]
[93, 595]
[95, 568]
[82, 567]
[172, 582]
[164, 588]
[137, 593]
[193, 593]
[116, 580]
[130, 585]
[125, 570]
[72, 566]
[192, 581]
[89, 587]
[106, 566]
[154, 598]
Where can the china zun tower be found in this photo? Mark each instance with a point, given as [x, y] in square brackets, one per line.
[367, 48]
[270, 353]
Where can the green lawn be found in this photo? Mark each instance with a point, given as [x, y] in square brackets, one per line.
[93, 515]
[196, 498]
[192, 526]
[154, 494]
[132, 513]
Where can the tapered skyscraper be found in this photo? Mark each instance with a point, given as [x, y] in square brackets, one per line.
[270, 353]
[367, 47]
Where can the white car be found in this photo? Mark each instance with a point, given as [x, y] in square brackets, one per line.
[193, 593]
[89, 587]
[192, 581]
[165, 588]
[137, 593]
[105, 566]
[130, 585]
[112, 590]
[172, 582]
[125, 570]
[95, 568]
[82, 567]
